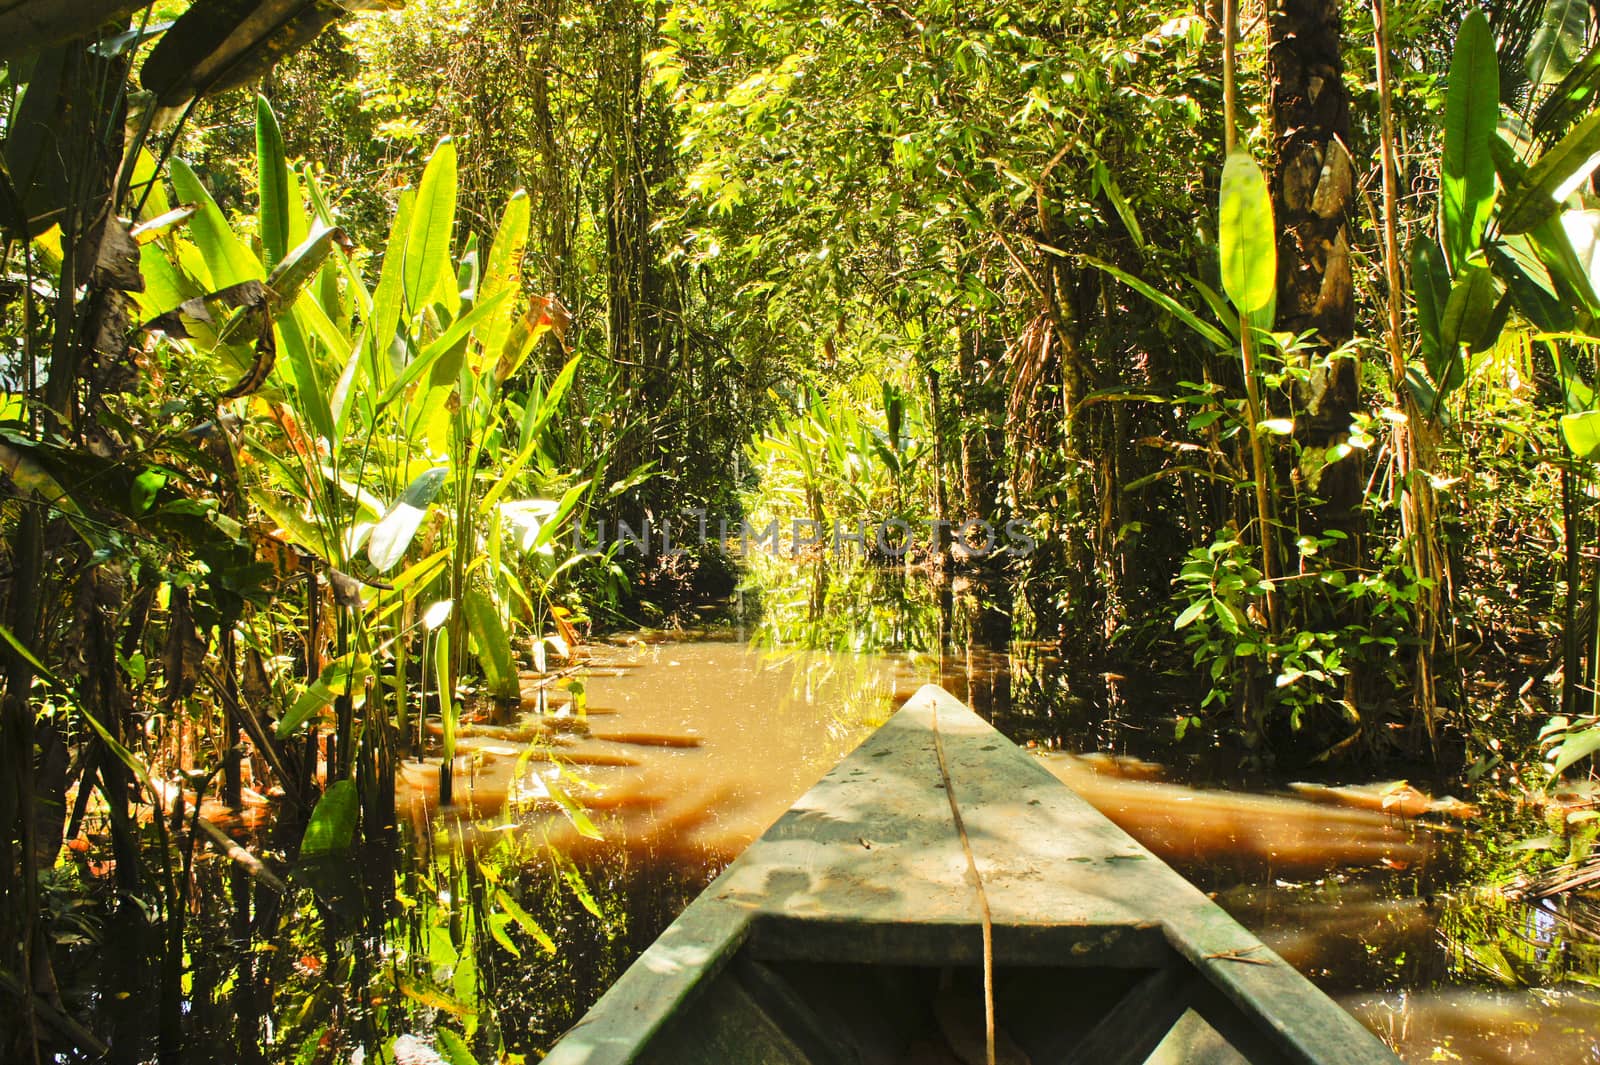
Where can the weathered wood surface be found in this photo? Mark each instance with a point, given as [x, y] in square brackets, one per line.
[867, 867]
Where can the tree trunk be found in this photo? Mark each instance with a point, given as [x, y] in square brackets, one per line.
[1312, 191]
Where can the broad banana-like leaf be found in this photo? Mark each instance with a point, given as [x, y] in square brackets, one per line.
[311, 394]
[1516, 263]
[393, 534]
[494, 645]
[504, 270]
[448, 709]
[1554, 177]
[227, 261]
[452, 340]
[1558, 43]
[32, 25]
[332, 828]
[1574, 96]
[1430, 287]
[1247, 236]
[1467, 322]
[1471, 116]
[533, 423]
[342, 676]
[296, 268]
[225, 44]
[1566, 244]
[389, 296]
[1581, 431]
[428, 276]
[272, 165]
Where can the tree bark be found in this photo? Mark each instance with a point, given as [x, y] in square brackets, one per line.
[1312, 191]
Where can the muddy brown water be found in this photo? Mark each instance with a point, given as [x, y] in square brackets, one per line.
[692, 749]
[502, 917]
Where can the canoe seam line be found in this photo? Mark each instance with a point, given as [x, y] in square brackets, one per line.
[977, 882]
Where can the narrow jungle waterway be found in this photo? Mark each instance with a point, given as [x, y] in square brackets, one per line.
[584, 823]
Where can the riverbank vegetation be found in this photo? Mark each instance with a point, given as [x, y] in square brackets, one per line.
[350, 349]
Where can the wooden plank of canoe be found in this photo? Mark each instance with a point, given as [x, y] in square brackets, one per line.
[867, 866]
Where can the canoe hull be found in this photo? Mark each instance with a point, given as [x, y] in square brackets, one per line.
[851, 932]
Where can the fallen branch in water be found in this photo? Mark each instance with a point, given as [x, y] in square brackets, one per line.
[171, 795]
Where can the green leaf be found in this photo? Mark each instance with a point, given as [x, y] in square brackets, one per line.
[394, 533]
[342, 676]
[296, 267]
[454, 1048]
[1576, 746]
[1581, 431]
[1247, 236]
[1558, 42]
[1430, 287]
[1574, 96]
[1515, 262]
[531, 429]
[452, 340]
[1471, 116]
[1119, 202]
[273, 167]
[494, 645]
[428, 277]
[1554, 177]
[1552, 242]
[389, 295]
[1467, 320]
[549, 529]
[525, 921]
[449, 711]
[497, 928]
[332, 828]
[1191, 612]
[1203, 329]
[226, 259]
[504, 270]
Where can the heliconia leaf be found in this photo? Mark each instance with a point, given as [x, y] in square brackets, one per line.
[1574, 96]
[1581, 431]
[436, 614]
[428, 276]
[494, 645]
[1554, 177]
[504, 270]
[1466, 321]
[332, 828]
[273, 167]
[296, 267]
[1247, 236]
[389, 296]
[225, 256]
[1556, 241]
[1471, 116]
[1430, 287]
[342, 676]
[451, 340]
[394, 533]
[532, 426]
[1558, 42]
[147, 186]
[1515, 262]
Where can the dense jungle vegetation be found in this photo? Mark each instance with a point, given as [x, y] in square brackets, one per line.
[1251, 351]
